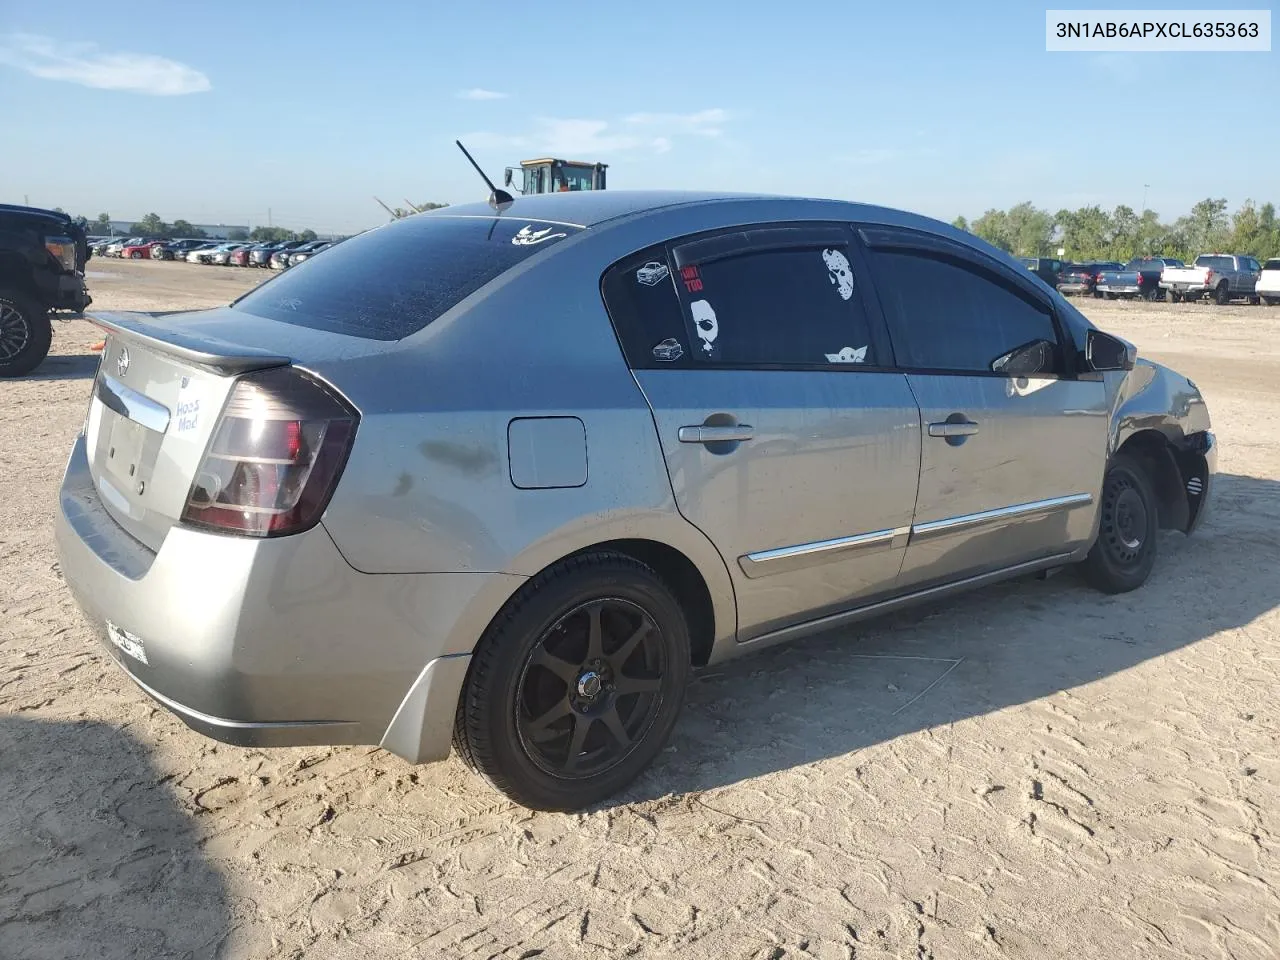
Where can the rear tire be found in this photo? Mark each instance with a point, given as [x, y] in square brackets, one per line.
[1125, 552]
[1148, 295]
[549, 716]
[1222, 295]
[1175, 296]
[25, 334]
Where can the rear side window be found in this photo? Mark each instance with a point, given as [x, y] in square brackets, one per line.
[795, 306]
[640, 294]
[1271, 265]
[391, 282]
[1216, 263]
[947, 315]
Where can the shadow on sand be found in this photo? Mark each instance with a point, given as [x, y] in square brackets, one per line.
[96, 858]
[997, 647]
[77, 366]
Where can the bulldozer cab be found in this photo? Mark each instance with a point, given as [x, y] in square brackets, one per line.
[549, 175]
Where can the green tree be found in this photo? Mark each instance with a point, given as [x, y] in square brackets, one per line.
[1123, 243]
[271, 234]
[1086, 233]
[307, 235]
[150, 226]
[1032, 230]
[1247, 235]
[960, 223]
[1270, 231]
[993, 227]
[183, 229]
[237, 235]
[1205, 228]
[104, 219]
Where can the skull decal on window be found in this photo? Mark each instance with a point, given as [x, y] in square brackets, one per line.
[841, 274]
[705, 323]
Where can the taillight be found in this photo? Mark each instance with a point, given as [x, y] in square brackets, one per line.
[1208, 276]
[275, 457]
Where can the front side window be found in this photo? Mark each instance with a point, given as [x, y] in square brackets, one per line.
[796, 306]
[948, 315]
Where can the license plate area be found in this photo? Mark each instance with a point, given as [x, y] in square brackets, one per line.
[125, 445]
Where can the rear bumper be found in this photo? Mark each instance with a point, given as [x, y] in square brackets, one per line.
[275, 642]
[1185, 287]
[1120, 289]
[1074, 288]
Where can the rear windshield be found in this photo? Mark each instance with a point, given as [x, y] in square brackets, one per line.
[391, 282]
[1217, 263]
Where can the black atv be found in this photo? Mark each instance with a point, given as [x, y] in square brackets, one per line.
[42, 258]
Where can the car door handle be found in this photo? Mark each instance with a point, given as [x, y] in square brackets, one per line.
[705, 434]
[966, 428]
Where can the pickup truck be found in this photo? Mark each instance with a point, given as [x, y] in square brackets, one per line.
[1222, 276]
[1140, 277]
[1269, 282]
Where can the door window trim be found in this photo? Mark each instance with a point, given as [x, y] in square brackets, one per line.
[873, 237]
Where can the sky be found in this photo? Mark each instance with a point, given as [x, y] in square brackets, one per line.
[305, 111]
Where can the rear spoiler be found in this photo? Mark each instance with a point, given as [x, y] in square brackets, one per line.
[207, 353]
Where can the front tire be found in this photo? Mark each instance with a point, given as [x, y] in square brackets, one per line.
[25, 334]
[576, 686]
[1125, 552]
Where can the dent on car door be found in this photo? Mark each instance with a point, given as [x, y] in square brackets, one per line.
[1014, 445]
[788, 444]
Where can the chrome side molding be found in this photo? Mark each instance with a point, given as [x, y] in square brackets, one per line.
[765, 563]
[768, 562]
[1021, 511]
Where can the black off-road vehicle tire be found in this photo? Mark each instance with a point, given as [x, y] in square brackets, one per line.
[25, 334]
[527, 658]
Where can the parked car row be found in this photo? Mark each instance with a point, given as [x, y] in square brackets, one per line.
[278, 255]
[1216, 276]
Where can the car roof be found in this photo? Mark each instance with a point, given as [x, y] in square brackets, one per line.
[583, 208]
[35, 212]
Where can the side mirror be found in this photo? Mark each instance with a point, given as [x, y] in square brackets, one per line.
[508, 176]
[1027, 360]
[1104, 352]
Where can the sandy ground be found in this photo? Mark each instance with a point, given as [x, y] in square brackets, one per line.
[1094, 777]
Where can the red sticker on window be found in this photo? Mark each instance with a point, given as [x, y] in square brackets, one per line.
[692, 282]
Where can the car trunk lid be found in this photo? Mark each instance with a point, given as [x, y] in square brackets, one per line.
[155, 403]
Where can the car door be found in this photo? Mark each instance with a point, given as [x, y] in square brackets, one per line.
[1013, 447]
[788, 441]
[1249, 278]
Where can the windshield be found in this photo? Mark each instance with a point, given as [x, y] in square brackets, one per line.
[392, 281]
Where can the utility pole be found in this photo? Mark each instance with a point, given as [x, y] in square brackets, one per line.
[1145, 188]
[268, 218]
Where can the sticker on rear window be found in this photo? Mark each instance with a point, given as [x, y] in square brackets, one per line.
[704, 319]
[848, 355]
[652, 273]
[840, 274]
[528, 236]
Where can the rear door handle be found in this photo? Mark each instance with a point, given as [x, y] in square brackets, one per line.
[704, 434]
[966, 428]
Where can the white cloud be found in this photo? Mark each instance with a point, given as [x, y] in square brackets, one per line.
[704, 123]
[479, 93]
[589, 139]
[87, 65]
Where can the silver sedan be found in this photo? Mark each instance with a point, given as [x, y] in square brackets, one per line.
[499, 480]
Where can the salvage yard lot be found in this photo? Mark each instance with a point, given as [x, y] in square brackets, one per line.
[1033, 770]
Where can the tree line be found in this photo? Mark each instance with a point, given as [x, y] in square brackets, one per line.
[1092, 233]
[152, 226]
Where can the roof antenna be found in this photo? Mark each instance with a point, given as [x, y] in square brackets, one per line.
[498, 199]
